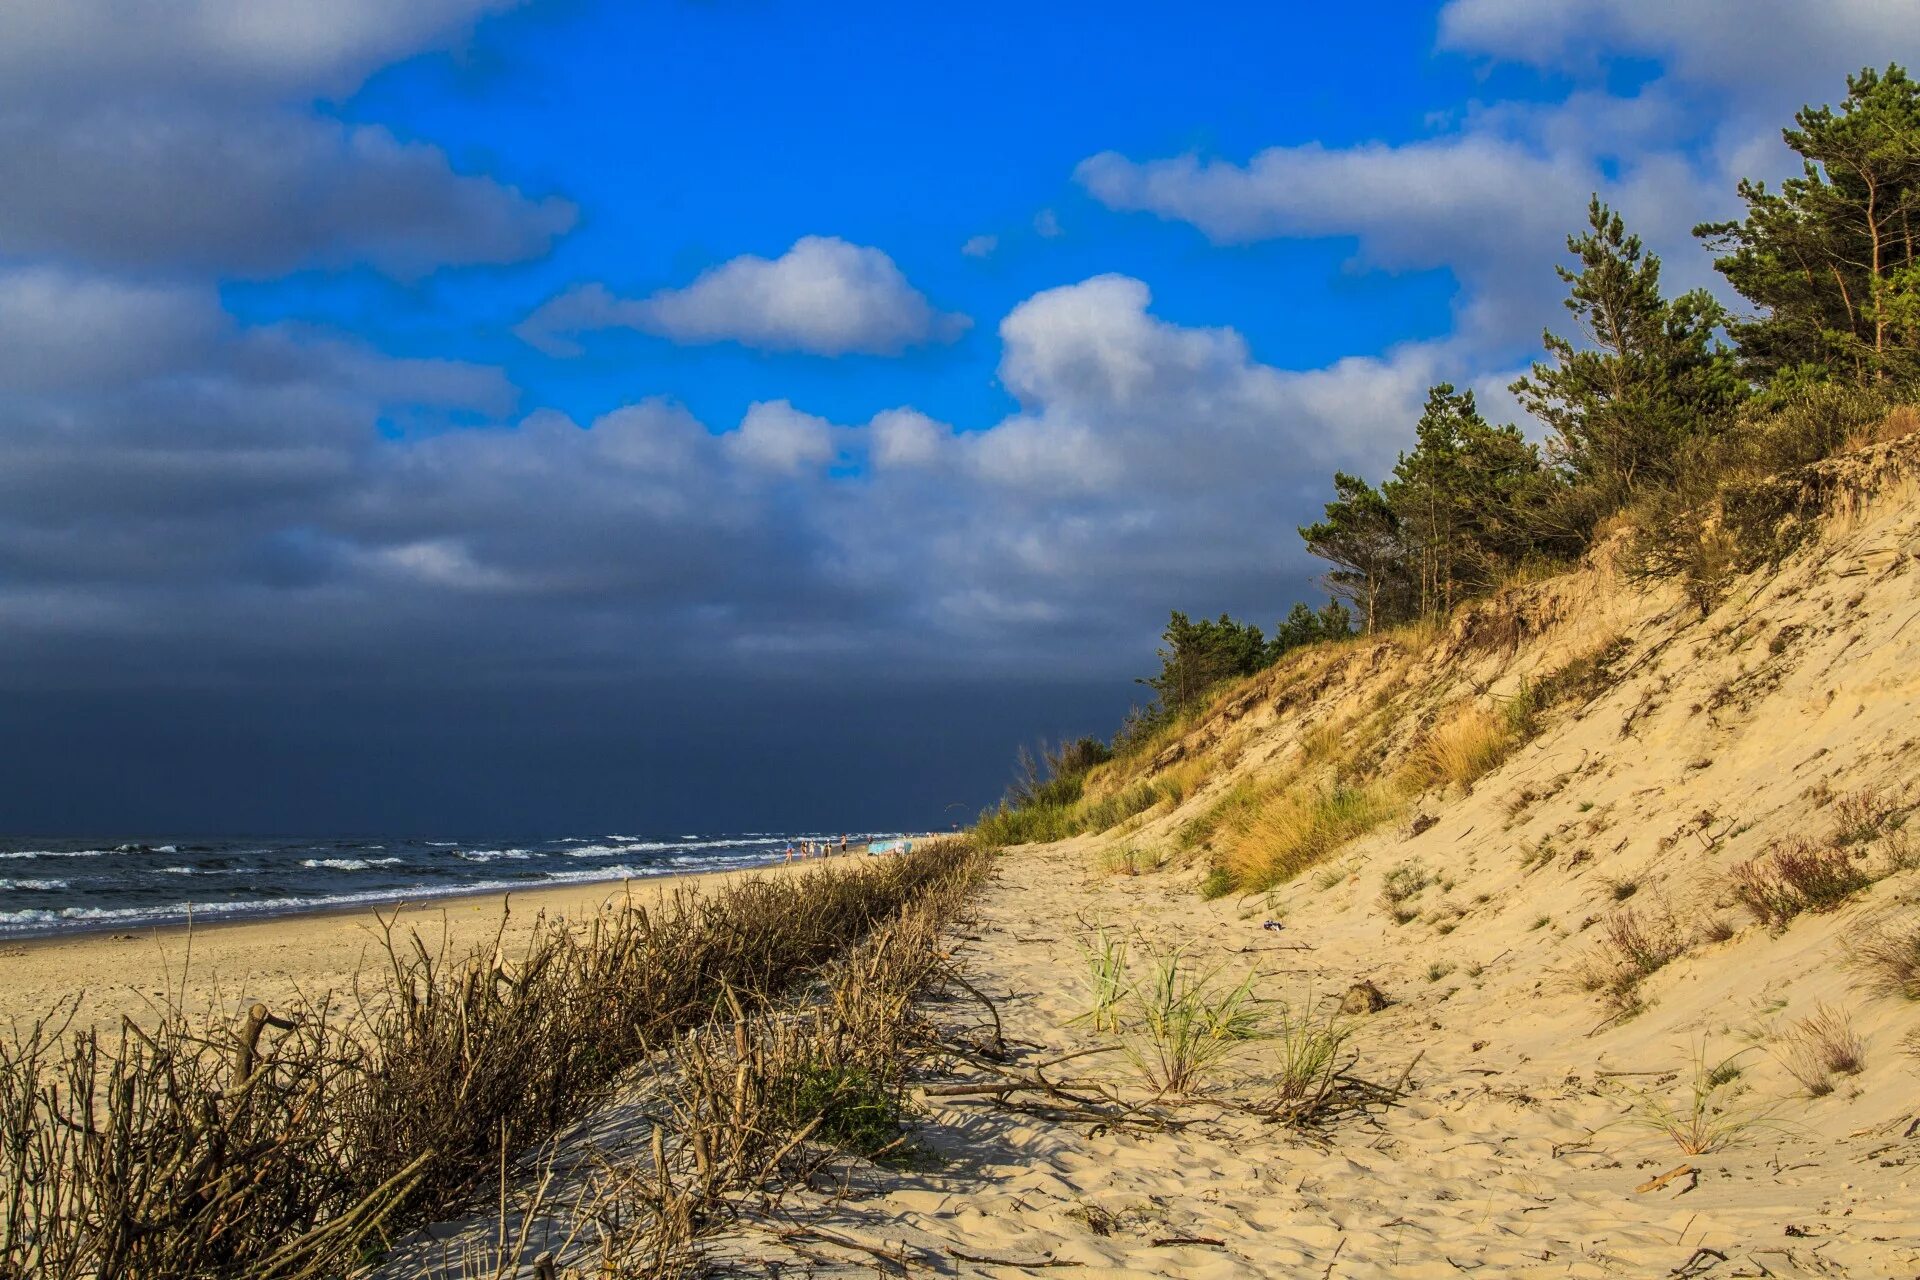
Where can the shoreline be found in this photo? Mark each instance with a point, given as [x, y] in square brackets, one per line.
[230, 963]
[376, 900]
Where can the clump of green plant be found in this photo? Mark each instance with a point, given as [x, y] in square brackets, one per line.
[849, 1107]
[1399, 886]
[1307, 1063]
[1709, 1116]
[1231, 808]
[1438, 970]
[1622, 889]
[1887, 958]
[1107, 984]
[1217, 883]
[1183, 1025]
[1820, 1046]
[1128, 860]
[1797, 877]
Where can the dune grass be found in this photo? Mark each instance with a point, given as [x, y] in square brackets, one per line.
[1299, 828]
[296, 1142]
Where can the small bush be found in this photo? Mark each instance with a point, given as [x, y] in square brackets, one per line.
[1128, 860]
[1860, 816]
[1887, 959]
[1819, 1047]
[1218, 883]
[1400, 886]
[1797, 877]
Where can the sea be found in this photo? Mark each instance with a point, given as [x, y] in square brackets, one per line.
[50, 886]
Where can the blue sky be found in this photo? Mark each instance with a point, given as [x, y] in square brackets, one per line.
[689, 134]
[557, 401]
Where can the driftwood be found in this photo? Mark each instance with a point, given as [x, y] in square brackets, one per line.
[1678, 1171]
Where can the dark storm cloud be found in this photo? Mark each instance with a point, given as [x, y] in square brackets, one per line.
[180, 135]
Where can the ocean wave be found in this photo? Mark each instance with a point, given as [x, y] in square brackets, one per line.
[665, 846]
[56, 853]
[441, 844]
[348, 864]
[493, 855]
[34, 886]
[28, 918]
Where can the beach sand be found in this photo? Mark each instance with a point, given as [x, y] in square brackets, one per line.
[230, 965]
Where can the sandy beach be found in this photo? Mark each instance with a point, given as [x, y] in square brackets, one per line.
[232, 964]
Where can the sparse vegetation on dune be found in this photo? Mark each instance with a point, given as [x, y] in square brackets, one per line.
[1798, 876]
[1710, 1116]
[1886, 958]
[1820, 1046]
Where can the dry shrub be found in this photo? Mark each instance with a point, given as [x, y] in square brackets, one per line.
[1819, 1047]
[1466, 747]
[287, 1151]
[1887, 958]
[1632, 944]
[1796, 877]
[1860, 816]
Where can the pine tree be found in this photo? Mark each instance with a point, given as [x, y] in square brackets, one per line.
[1361, 538]
[1649, 377]
[1198, 655]
[1830, 258]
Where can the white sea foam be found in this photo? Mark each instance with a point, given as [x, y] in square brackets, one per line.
[57, 853]
[444, 844]
[348, 864]
[34, 918]
[661, 846]
[42, 886]
[493, 855]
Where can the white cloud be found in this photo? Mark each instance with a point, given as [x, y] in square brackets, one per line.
[1744, 48]
[775, 436]
[907, 438]
[980, 246]
[1047, 224]
[823, 296]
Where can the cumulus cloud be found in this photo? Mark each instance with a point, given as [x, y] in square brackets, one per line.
[1746, 48]
[774, 436]
[235, 504]
[823, 296]
[980, 246]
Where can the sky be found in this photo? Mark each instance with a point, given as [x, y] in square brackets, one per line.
[481, 415]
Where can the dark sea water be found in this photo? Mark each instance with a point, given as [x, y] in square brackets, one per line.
[55, 886]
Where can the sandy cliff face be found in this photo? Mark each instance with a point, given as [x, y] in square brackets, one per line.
[1562, 938]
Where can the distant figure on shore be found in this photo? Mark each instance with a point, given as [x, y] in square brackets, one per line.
[843, 843]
